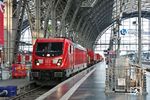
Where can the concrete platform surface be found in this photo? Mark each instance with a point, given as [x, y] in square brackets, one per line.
[15, 82]
[90, 87]
[93, 88]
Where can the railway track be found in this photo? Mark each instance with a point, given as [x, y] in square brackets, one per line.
[32, 91]
[32, 94]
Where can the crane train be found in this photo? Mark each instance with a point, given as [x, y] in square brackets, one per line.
[58, 58]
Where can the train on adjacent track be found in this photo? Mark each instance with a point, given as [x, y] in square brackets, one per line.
[58, 58]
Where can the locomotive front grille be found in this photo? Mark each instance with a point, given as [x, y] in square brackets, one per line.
[58, 74]
[35, 74]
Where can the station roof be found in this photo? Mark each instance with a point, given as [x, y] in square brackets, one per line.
[92, 17]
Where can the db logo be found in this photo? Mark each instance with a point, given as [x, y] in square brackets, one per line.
[123, 31]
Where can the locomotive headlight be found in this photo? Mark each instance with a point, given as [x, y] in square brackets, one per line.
[37, 63]
[59, 62]
[48, 55]
[56, 60]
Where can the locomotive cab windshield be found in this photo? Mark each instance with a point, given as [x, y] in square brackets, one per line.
[49, 49]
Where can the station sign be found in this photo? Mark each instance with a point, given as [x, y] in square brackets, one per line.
[123, 31]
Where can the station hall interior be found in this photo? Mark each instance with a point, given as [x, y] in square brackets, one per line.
[75, 49]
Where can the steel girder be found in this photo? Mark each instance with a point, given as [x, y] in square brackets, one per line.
[144, 14]
[20, 9]
[49, 10]
[15, 22]
[101, 9]
[38, 16]
[59, 14]
[61, 31]
[68, 16]
[105, 11]
[63, 11]
[73, 19]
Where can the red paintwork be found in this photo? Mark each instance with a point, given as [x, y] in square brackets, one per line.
[1, 23]
[99, 57]
[91, 56]
[77, 55]
[27, 57]
[19, 58]
[19, 70]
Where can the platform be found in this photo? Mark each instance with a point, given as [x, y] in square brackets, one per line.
[91, 87]
[15, 82]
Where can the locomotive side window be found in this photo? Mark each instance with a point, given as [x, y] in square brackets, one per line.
[49, 49]
[70, 49]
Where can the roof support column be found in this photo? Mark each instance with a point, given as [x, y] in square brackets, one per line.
[36, 32]
[79, 23]
[37, 18]
[87, 27]
[73, 19]
[86, 31]
[80, 32]
[8, 30]
[77, 27]
[58, 1]
[48, 10]
[12, 27]
[83, 27]
[19, 26]
[62, 29]
[54, 20]
[139, 33]
[91, 35]
[88, 35]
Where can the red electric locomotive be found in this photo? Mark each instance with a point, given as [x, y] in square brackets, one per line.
[56, 58]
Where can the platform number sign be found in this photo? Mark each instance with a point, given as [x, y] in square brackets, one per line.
[123, 31]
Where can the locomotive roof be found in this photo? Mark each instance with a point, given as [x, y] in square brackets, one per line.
[50, 39]
[80, 47]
